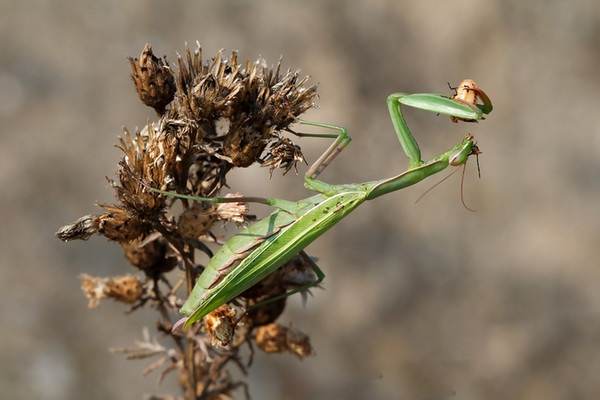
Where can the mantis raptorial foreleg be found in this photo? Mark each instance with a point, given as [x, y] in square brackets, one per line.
[407, 140]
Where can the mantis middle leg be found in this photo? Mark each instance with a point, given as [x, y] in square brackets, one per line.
[342, 139]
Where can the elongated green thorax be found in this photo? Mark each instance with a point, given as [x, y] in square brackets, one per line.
[455, 156]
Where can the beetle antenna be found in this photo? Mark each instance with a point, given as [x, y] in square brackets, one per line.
[435, 185]
[452, 88]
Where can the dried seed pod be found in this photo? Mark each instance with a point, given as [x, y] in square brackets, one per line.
[81, 229]
[257, 102]
[126, 289]
[119, 225]
[145, 159]
[234, 212]
[298, 343]
[283, 154]
[275, 338]
[197, 220]
[244, 144]
[144, 257]
[93, 288]
[294, 273]
[220, 325]
[267, 313]
[153, 80]
[149, 255]
[272, 338]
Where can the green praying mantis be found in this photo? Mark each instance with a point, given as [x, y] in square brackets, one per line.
[260, 248]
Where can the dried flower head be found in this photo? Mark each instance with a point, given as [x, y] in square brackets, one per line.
[283, 154]
[298, 343]
[143, 162]
[127, 289]
[234, 212]
[118, 224]
[296, 272]
[149, 255]
[81, 229]
[275, 338]
[153, 79]
[197, 220]
[220, 325]
[257, 102]
[267, 313]
[215, 114]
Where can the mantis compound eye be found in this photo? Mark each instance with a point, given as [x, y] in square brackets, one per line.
[458, 158]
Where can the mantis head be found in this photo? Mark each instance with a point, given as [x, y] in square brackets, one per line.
[461, 153]
[458, 156]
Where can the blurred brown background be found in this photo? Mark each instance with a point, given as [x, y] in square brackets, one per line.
[422, 302]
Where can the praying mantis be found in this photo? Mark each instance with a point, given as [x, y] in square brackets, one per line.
[262, 247]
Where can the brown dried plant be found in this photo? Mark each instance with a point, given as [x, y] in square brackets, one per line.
[213, 115]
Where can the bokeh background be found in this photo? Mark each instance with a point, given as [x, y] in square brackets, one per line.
[422, 302]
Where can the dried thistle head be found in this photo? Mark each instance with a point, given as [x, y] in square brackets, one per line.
[119, 224]
[298, 343]
[153, 79]
[266, 103]
[197, 220]
[116, 223]
[214, 115]
[143, 163]
[149, 255]
[127, 289]
[220, 325]
[284, 154]
[234, 212]
[275, 338]
[267, 313]
[255, 100]
[295, 273]
[81, 229]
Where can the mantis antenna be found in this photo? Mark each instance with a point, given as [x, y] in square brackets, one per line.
[476, 152]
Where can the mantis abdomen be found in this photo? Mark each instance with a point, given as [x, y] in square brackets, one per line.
[258, 250]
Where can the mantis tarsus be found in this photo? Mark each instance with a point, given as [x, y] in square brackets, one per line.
[259, 249]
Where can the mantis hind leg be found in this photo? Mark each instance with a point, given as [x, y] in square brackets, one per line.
[320, 275]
